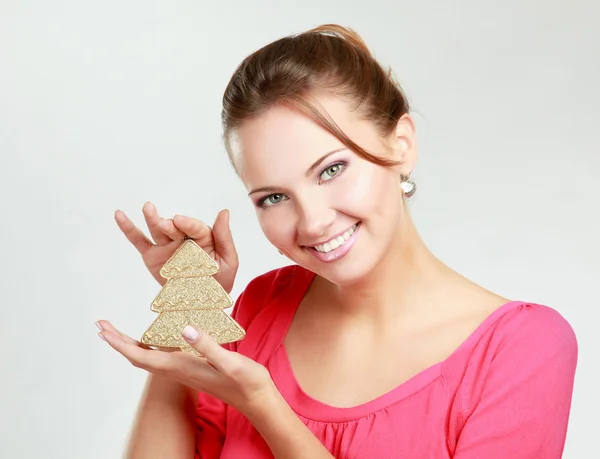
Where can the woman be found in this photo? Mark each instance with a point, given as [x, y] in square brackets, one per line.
[368, 346]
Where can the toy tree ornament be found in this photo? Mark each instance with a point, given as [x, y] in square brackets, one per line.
[191, 297]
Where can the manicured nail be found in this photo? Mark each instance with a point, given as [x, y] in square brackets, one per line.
[190, 333]
[101, 337]
[99, 326]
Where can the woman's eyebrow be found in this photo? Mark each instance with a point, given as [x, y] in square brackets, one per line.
[309, 171]
[316, 164]
[264, 188]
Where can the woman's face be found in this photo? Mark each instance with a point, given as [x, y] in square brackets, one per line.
[324, 207]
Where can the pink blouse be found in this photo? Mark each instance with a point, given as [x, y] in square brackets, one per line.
[504, 393]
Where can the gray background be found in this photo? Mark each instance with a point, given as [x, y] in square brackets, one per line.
[105, 105]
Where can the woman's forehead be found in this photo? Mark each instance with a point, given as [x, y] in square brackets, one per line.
[284, 139]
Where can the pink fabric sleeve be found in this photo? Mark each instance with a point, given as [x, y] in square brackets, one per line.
[519, 408]
[211, 413]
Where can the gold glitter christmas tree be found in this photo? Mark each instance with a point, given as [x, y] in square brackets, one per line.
[191, 297]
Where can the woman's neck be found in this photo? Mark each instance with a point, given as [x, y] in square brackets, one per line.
[401, 283]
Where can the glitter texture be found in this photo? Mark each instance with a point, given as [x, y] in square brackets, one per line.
[166, 329]
[189, 260]
[191, 297]
[191, 293]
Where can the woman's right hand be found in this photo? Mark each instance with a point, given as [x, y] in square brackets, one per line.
[168, 234]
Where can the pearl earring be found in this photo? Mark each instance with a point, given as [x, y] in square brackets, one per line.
[408, 186]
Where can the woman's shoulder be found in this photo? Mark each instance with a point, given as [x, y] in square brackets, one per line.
[522, 320]
[265, 288]
[520, 335]
[518, 373]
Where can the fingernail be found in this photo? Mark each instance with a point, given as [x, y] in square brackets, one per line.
[101, 337]
[190, 333]
[99, 326]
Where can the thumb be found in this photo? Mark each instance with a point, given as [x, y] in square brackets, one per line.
[224, 244]
[216, 355]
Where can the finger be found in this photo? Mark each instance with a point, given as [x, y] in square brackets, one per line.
[169, 228]
[104, 325]
[139, 357]
[133, 234]
[224, 244]
[218, 357]
[193, 228]
[152, 220]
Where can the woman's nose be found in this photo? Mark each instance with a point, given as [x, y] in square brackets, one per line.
[314, 220]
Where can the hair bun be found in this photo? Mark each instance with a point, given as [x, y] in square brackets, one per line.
[345, 33]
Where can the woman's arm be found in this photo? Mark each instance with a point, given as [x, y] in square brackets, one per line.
[520, 407]
[164, 424]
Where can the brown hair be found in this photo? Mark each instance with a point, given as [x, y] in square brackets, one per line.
[328, 58]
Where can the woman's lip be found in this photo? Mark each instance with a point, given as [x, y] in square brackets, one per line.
[338, 252]
[312, 246]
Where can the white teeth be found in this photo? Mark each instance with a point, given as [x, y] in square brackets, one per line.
[336, 242]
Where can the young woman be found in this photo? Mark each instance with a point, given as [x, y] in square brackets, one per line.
[367, 346]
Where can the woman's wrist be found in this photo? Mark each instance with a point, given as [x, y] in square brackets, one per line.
[260, 409]
[284, 432]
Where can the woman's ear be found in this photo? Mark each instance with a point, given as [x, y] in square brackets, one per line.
[405, 145]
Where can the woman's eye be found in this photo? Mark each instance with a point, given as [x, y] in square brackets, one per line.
[331, 171]
[271, 200]
[275, 198]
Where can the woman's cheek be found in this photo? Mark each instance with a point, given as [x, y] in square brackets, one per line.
[364, 192]
[276, 227]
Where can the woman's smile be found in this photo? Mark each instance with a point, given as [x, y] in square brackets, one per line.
[337, 246]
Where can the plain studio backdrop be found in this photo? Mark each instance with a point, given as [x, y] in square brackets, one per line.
[105, 105]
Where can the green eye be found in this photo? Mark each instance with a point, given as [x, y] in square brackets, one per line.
[275, 198]
[331, 171]
[271, 200]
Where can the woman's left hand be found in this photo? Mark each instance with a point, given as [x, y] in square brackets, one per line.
[229, 376]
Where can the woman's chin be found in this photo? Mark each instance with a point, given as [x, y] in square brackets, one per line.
[344, 274]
